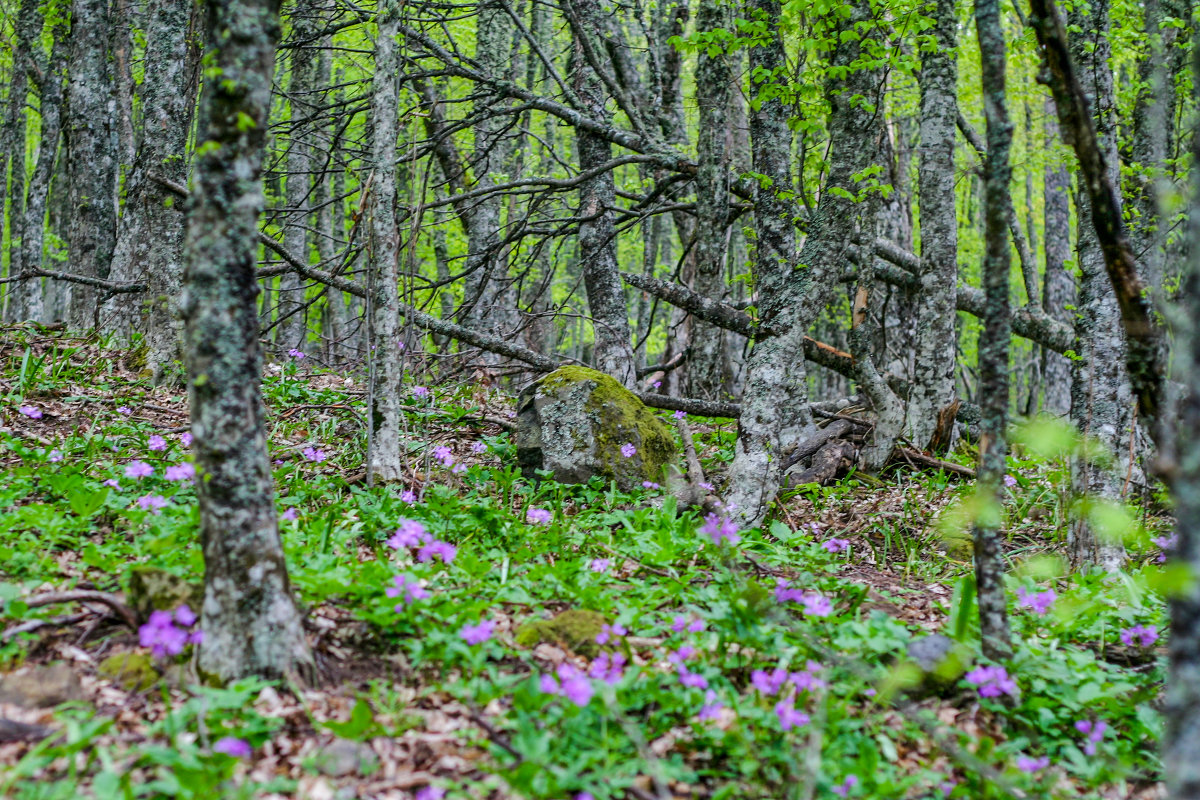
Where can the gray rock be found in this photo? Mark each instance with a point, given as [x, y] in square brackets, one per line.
[574, 423]
[930, 651]
[156, 589]
[938, 662]
[345, 757]
[41, 687]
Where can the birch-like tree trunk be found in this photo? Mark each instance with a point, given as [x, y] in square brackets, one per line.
[250, 621]
[708, 369]
[613, 345]
[937, 339]
[28, 28]
[150, 234]
[92, 157]
[387, 366]
[994, 340]
[1102, 401]
[1058, 286]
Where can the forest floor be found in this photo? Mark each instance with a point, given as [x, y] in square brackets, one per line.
[608, 648]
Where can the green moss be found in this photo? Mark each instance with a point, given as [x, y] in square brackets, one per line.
[132, 671]
[574, 629]
[154, 589]
[622, 418]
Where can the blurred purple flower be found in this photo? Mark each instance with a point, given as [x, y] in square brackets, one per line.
[31, 411]
[788, 716]
[231, 746]
[126, 410]
[185, 439]
[314, 454]
[156, 443]
[1039, 602]
[711, 708]
[720, 528]
[408, 588]
[420, 391]
[843, 789]
[836, 545]
[539, 516]
[408, 496]
[1032, 765]
[610, 633]
[1094, 731]
[608, 667]
[54, 456]
[650, 485]
[153, 503]
[1144, 635]
[477, 634]
[817, 605]
[296, 354]
[479, 447]
[138, 469]
[290, 515]
[1010, 481]
[181, 472]
[410, 534]
[628, 450]
[599, 565]
[992, 681]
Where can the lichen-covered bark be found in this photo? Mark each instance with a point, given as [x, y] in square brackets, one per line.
[92, 156]
[302, 160]
[936, 336]
[1102, 402]
[708, 369]
[250, 621]
[1181, 745]
[1058, 285]
[28, 27]
[994, 340]
[775, 394]
[26, 301]
[613, 353]
[387, 367]
[150, 235]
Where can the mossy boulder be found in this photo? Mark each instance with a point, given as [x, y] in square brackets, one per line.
[575, 629]
[155, 589]
[575, 421]
[132, 670]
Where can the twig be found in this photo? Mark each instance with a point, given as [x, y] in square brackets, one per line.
[934, 463]
[32, 625]
[82, 596]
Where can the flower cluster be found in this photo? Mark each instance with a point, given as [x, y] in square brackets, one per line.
[314, 454]
[628, 450]
[682, 623]
[138, 470]
[539, 516]
[32, 412]
[569, 682]
[843, 789]
[600, 564]
[233, 747]
[1032, 765]
[413, 534]
[815, 604]
[1143, 635]
[608, 667]
[836, 545]
[408, 589]
[1094, 731]
[610, 633]
[771, 683]
[720, 529]
[154, 503]
[1040, 602]
[166, 634]
[992, 681]
[477, 634]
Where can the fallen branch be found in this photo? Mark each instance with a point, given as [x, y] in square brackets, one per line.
[82, 596]
[917, 457]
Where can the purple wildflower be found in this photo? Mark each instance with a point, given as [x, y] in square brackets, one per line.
[31, 411]
[408, 496]
[1039, 602]
[161, 635]
[445, 455]
[429, 792]
[609, 668]
[1032, 765]
[650, 485]
[768, 683]
[184, 471]
[291, 515]
[788, 716]
[185, 439]
[539, 516]
[231, 746]
[1094, 731]
[314, 454]
[843, 789]
[54, 456]
[153, 503]
[156, 442]
[113, 483]
[657, 385]
[478, 447]
[420, 391]
[711, 708]
[138, 469]
[677, 657]
[679, 415]
[570, 683]
[410, 534]
[720, 528]
[126, 410]
[435, 548]
[836, 545]
[599, 565]
[692, 680]
[992, 681]
[784, 593]
[1144, 635]
[477, 634]
[610, 633]
[408, 589]
[682, 623]
[817, 605]
[296, 354]
[1010, 481]
[628, 450]
[185, 616]
[705, 485]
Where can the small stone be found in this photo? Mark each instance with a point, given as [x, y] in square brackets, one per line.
[937, 662]
[346, 757]
[133, 671]
[41, 687]
[930, 651]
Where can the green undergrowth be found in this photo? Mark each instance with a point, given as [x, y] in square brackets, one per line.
[693, 620]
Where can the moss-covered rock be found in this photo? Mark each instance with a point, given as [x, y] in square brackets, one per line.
[575, 630]
[153, 588]
[133, 671]
[575, 421]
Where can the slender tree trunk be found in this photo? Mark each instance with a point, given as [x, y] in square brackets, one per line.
[1181, 745]
[994, 341]
[385, 359]
[1058, 287]
[251, 624]
[613, 353]
[12, 146]
[936, 339]
[303, 97]
[708, 369]
[1102, 401]
[150, 235]
[92, 157]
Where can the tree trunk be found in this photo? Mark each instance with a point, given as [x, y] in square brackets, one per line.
[1102, 401]
[708, 369]
[613, 354]
[385, 359]
[994, 340]
[250, 621]
[936, 339]
[12, 144]
[150, 237]
[1058, 287]
[92, 157]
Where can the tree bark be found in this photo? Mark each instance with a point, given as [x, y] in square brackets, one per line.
[150, 235]
[250, 621]
[28, 27]
[1058, 286]
[936, 337]
[92, 157]
[385, 359]
[994, 340]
